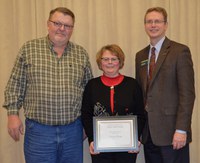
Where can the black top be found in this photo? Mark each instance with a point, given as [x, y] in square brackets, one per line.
[128, 100]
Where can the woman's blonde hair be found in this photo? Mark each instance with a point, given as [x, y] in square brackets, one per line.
[115, 50]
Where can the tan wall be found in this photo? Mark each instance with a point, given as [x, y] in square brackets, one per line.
[98, 22]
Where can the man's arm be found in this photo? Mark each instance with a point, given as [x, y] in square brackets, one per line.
[186, 98]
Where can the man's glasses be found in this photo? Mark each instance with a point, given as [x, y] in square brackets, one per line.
[107, 60]
[156, 22]
[59, 25]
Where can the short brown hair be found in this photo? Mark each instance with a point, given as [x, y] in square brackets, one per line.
[115, 49]
[157, 9]
[63, 10]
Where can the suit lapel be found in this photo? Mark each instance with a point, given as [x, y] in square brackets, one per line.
[161, 57]
[144, 67]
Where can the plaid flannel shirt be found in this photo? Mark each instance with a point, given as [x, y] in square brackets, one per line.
[49, 88]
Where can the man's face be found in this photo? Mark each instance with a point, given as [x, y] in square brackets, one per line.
[60, 28]
[155, 25]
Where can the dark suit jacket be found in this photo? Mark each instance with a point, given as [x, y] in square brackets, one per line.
[171, 92]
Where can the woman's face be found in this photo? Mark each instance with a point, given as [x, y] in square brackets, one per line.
[110, 64]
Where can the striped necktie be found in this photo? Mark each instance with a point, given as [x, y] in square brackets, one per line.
[152, 63]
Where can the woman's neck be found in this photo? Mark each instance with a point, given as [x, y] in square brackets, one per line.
[112, 75]
[112, 81]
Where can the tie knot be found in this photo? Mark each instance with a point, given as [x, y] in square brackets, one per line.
[153, 49]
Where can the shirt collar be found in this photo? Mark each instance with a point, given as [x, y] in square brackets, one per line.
[50, 44]
[158, 45]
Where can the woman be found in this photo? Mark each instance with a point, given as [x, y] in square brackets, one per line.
[109, 95]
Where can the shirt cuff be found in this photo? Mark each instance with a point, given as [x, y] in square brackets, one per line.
[181, 131]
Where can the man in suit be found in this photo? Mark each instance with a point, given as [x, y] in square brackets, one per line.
[168, 91]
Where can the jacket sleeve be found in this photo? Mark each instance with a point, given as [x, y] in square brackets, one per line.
[140, 112]
[87, 112]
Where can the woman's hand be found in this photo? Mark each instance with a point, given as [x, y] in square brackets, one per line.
[136, 151]
[91, 148]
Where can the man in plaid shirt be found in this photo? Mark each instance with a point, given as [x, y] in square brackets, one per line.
[48, 80]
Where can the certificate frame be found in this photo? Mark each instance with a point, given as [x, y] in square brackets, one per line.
[115, 133]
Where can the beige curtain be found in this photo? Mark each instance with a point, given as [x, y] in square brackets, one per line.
[98, 22]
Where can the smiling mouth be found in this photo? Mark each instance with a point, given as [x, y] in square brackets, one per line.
[153, 30]
[60, 34]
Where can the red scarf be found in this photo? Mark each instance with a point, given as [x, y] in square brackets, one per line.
[112, 82]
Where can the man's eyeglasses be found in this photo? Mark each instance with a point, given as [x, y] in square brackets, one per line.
[59, 25]
[156, 22]
[107, 60]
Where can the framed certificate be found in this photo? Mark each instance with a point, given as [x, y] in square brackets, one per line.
[115, 134]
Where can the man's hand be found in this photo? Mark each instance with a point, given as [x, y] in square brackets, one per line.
[15, 127]
[179, 140]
